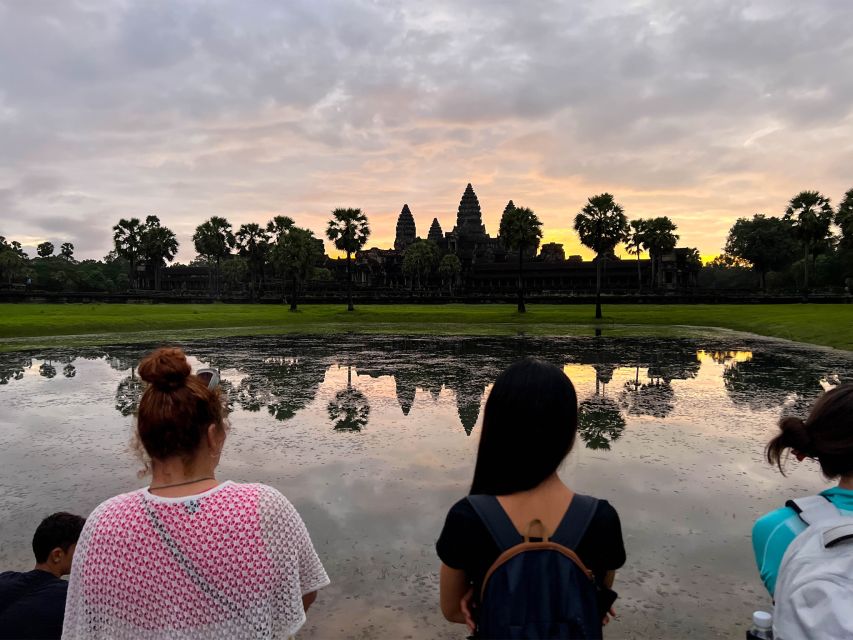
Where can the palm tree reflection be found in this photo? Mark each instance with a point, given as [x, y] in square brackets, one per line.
[128, 393]
[600, 420]
[654, 398]
[47, 370]
[349, 409]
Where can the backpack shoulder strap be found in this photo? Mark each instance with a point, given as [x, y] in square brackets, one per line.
[574, 524]
[497, 522]
[813, 509]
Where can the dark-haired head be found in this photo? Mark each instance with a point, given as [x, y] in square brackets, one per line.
[529, 427]
[826, 435]
[54, 541]
[177, 410]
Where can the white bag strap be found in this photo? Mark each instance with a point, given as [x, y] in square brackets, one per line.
[814, 509]
[838, 534]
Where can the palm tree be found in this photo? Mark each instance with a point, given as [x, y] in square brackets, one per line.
[12, 263]
[601, 225]
[449, 269]
[45, 250]
[277, 226]
[811, 216]
[294, 256]
[66, 251]
[127, 239]
[659, 239]
[158, 246]
[349, 231]
[253, 244]
[213, 240]
[520, 231]
[634, 245]
[844, 219]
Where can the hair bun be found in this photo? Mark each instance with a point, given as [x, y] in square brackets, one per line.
[796, 434]
[167, 369]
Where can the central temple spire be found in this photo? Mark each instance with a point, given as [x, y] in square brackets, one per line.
[435, 233]
[406, 231]
[469, 220]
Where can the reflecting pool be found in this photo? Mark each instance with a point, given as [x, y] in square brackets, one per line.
[373, 438]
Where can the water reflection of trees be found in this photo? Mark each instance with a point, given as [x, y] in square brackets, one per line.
[349, 410]
[47, 370]
[290, 383]
[13, 365]
[653, 394]
[653, 397]
[771, 380]
[600, 421]
[284, 384]
[253, 394]
[128, 394]
[283, 374]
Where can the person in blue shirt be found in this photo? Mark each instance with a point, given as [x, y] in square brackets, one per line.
[32, 603]
[826, 436]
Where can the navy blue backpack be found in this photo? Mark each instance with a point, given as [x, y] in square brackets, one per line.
[538, 589]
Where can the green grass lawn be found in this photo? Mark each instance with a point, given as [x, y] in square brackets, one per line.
[29, 325]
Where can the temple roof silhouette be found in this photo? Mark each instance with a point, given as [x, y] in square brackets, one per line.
[406, 230]
[435, 232]
[469, 218]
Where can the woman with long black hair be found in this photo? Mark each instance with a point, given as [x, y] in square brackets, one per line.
[529, 427]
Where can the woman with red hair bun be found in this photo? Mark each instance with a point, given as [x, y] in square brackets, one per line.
[190, 556]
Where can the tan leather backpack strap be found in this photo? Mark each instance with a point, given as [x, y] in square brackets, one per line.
[542, 531]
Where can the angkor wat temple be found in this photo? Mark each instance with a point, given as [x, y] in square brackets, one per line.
[486, 267]
[487, 270]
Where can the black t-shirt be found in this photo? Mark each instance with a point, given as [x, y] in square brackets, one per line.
[466, 544]
[32, 605]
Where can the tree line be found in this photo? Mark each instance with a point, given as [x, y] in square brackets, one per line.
[804, 232]
[601, 226]
[142, 249]
[292, 252]
[242, 255]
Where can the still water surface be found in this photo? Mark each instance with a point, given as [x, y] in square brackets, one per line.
[373, 438]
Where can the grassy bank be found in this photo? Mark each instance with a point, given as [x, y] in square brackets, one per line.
[26, 325]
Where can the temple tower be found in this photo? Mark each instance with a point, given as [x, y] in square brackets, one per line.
[469, 220]
[552, 252]
[406, 232]
[435, 234]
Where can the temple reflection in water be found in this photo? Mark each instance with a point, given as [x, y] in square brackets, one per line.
[616, 378]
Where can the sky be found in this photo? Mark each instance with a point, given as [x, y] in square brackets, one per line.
[702, 110]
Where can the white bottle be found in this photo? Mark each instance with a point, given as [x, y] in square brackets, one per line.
[762, 626]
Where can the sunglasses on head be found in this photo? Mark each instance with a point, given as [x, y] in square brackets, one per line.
[209, 376]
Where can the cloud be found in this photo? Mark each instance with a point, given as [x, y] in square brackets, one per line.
[702, 111]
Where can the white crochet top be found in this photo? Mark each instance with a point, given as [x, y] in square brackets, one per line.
[232, 562]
